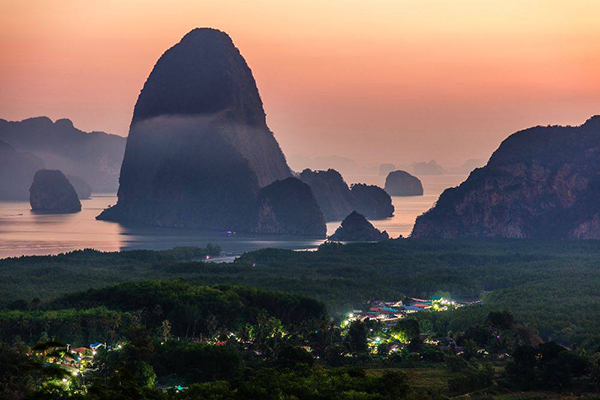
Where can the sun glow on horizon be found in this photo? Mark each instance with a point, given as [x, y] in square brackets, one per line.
[389, 81]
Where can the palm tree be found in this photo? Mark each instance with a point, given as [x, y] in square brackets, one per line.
[165, 330]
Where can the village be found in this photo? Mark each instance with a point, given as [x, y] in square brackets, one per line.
[385, 317]
[390, 312]
[384, 335]
[76, 361]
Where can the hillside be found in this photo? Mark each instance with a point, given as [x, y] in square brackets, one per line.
[542, 183]
[94, 156]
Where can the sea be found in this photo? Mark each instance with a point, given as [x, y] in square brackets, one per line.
[23, 232]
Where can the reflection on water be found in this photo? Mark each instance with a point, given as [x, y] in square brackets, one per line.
[23, 232]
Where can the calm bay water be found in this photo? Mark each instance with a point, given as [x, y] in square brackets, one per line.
[23, 232]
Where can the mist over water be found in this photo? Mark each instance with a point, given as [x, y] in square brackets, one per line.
[23, 232]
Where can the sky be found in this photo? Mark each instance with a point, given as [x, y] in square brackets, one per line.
[377, 81]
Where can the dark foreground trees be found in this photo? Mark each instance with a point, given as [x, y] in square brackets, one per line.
[547, 366]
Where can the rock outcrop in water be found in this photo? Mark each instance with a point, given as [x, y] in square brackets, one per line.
[542, 182]
[94, 156]
[83, 189]
[401, 183]
[199, 149]
[371, 201]
[289, 207]
[331, 192]
[356, 228]
[17, 170]
[337, 200]
[52, 192]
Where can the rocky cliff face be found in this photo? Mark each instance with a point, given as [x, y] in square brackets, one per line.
[401, 183]
[289, 207]
[52, 192]
[17, 170]
[371, 201]
[337, 200]
[356, 228]
[331, 192]
[199, 150]
[542, 182]
[95, 156]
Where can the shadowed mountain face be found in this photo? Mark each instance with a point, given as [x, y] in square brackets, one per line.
[542, 182]
[52, 192]
[337, 200]
[199, 150]
[401, 183]
[331, 191]
[94, 156]
[17, 170]
[371, 201]
[289, 207]
[205, 76]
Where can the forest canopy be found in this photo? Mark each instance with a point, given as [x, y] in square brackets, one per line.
[550, 286]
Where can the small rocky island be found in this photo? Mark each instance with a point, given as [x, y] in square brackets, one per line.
[337, 200]
[52, 192]
[401, 183]
[356, 228]
[289, 207]
[371, 201]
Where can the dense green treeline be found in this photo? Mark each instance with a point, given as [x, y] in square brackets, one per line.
[76, 326]
[549, 286]
[47, 277]
[227, 303]
[189, 310]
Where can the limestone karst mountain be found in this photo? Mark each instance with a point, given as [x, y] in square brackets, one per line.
[337, 200]
[401, 183]
[371, 201]
[542, 182]
[199, 150]
[289, 207]
[94, 156]
[51, 192]
[331, 191]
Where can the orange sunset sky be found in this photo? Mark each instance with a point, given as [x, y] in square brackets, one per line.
[378, 81]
